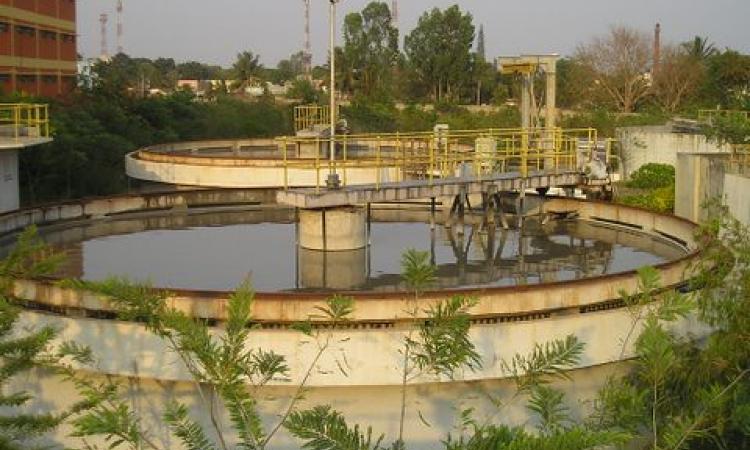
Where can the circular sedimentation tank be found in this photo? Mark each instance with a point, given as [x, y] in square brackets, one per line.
[561, 274]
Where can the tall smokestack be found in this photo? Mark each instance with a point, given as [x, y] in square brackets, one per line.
[308, 45]
[104, 55]
[119, 26]
[657, 48]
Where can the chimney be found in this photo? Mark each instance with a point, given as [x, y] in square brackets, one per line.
[657, 48]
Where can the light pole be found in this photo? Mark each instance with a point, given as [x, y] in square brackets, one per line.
[333, 181]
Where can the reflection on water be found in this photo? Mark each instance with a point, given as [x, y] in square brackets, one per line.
[218, 251]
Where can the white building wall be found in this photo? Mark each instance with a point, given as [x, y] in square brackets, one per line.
[9, 197]
[643, 145]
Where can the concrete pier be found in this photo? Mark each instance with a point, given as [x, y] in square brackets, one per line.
[333, 229]
[340, 270]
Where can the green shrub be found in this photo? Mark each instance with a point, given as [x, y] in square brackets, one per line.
[659, 200]
[652, 176]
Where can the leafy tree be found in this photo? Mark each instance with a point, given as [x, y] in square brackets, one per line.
[370, 49]
[246, 67]
[193, 70]
[290, 69]
[729, 129]
[728, 80]
[699, 48]
[439, 51]
[304, 91]
[678, 79]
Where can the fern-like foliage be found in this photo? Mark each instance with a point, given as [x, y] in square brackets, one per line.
[444, 345]
[116, 423]
[547, 361]
[133, 301]
[548, 404]
[323, 428]
[190, 433]
[21, 351]
[416, 270]
[501, 437]
[30, 257]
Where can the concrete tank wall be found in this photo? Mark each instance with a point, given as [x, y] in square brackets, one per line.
[252, 174]
[642, 145]
[699, 178]
[371, 354]
[703, 177]
[737, 194]
[438, 405]
[9, 195]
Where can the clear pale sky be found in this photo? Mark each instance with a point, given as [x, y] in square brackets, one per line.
[214, 31]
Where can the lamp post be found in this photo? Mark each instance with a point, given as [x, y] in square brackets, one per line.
[333, 181]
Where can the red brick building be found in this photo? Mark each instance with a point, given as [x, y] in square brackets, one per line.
[38, 46]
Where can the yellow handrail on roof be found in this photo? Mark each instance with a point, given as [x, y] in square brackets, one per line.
[24, 120]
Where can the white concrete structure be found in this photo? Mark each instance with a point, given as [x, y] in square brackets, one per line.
[9, 198]
[184, 171]
[361, 374]
[333, 229]
[737, 196]
[9, 173]
[659, 144]
[706, 177]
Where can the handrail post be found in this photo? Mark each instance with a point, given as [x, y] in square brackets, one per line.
[317, 164]
[345, 146]
[286, 164]
[377, 164]
[524, 152]
[431, 151]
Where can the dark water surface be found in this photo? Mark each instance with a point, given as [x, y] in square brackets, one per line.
[218, 251]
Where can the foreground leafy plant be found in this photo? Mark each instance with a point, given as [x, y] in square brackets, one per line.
[21, 352]
[222, 362]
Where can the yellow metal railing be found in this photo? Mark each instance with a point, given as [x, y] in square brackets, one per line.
[308, 116]
[429, 156]
[708, 115]
[24, 120]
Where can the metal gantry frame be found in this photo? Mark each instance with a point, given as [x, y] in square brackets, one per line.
[451, 154]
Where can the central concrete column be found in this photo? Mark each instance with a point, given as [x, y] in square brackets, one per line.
[333, 229]
[342, 270]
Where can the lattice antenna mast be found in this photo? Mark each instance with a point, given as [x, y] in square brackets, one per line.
[119, 26]
[308, 44]
[103, 18]
[394, 13]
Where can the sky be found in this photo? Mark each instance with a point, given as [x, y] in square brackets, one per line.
[214, 31]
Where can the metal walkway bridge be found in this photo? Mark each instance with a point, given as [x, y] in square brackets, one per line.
[442, 163]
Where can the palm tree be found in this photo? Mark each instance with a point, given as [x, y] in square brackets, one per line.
[700, 48]
[246, 67]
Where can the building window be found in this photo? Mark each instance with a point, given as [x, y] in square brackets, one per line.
[49, 35]
[68, 38]
[27, 78]
[22, 29]
[4, 78]
[49, 79]
[4, 27]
